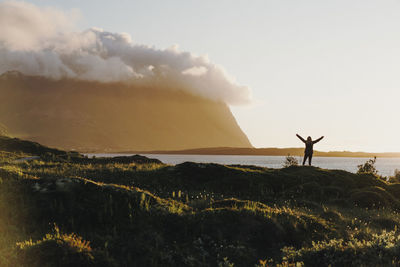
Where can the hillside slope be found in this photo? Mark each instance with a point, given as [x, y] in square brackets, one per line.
[94, 116]
[93, 212]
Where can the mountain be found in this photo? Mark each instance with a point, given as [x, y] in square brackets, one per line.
[94, 116]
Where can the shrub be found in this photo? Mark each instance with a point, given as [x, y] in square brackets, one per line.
[290, 161]
[381, 250]
[397, 173]
[368, 167]
[59, 249]
[396, 177]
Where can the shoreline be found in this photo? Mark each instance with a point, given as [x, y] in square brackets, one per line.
[254, 152]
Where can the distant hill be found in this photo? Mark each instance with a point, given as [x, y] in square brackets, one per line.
[92, 116]
[268, 152]
[27, 147]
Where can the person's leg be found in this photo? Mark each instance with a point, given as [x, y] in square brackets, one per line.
[309, 159]
[305, 158]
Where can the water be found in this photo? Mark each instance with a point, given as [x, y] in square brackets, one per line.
[385, 166]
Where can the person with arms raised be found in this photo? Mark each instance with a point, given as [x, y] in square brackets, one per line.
[308, 152]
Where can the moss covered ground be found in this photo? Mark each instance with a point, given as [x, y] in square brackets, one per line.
[62, 209]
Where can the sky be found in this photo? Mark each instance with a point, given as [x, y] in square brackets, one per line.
[314, 67]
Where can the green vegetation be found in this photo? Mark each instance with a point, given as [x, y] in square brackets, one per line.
[396, 177]
[16, 145]
[63, 209]
[290, 161]
[368, 167]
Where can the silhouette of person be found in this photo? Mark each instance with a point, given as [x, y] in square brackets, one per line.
[308, 152]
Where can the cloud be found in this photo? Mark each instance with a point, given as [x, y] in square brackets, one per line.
[44, 41]
[195, 71]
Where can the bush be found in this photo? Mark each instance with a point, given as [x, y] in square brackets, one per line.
[396, 177]
[290, 161]
[368, 167]
[59, 249]
[381, 250]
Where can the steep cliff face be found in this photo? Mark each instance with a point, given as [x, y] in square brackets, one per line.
[83, 115]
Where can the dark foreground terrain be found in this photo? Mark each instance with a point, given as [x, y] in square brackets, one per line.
[62, 209]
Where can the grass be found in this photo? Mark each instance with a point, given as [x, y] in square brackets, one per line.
[71, 210]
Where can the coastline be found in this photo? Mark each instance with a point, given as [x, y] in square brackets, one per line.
[225, 151]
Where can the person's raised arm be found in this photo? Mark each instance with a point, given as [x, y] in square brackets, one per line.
[301, 138]
[319, 139]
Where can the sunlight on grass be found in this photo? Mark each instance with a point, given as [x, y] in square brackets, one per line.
[152, 214]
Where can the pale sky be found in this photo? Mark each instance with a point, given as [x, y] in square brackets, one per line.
[315, 67]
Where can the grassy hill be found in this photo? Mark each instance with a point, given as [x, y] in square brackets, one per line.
[16, 145]
[76, 211]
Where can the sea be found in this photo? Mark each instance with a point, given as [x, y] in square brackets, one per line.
[385, 166]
